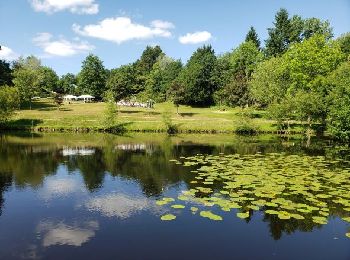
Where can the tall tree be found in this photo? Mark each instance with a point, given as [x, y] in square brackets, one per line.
[121, 82]
[279, 36]
[163, 73]
[68, 83]
[5, 73]
[92, 77]
[48, 80]
[9, 102]
[314, 26]
[26, 77]
[199, 77]
[144, 65]
[253, 37]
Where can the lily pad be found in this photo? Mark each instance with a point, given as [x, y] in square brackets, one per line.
[210, 215]
[168, 217]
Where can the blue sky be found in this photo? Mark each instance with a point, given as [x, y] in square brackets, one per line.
[63, 32]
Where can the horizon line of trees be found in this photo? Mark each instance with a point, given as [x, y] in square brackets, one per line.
[301, 73]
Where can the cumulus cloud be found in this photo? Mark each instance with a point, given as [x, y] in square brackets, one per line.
[61, 47]
[118, 205]
[7, 53]
[122, 29]
[74, 6]
[63, 234]
[195, 38]
[61, 187]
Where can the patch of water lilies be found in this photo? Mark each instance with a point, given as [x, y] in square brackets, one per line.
[284, 186]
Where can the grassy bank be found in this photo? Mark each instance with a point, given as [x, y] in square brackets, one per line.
[77, 116]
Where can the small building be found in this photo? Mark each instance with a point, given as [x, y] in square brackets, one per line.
[86, 98]
[69, 98]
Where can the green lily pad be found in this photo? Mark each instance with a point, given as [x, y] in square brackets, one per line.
[243, 214]
[210, 215]
[178, 206]
[168, 217]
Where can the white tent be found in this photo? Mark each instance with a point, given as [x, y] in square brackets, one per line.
[86, 98]
[69, 97]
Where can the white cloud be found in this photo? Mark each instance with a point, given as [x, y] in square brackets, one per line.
[74, 6]
[61, 187]
[194, 38]
[118, 205]
[122, 29]
[7, 53]
[162, 24]
[63, 234]
[61, 47]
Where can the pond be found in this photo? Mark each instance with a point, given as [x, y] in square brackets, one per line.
[149, 196]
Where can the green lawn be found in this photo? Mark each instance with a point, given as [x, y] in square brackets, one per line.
[90, 115]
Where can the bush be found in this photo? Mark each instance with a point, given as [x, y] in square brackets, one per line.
[9, 102]
[171, 128]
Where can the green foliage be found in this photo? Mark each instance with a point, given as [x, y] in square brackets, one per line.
[287, 31]
[48, 80]
[170, 126]
[144, 66]
[27, 77]
[122, 82]
[162, 75]
[58, 100]
[344, 42]
[67, 84]
[338, 118]
[245, 58]
[199, 77]
[92, 77]
[245, 125]
[9, 102]
[270, 81]
[252, 36]
[310, 62]
[279, 35]
[110, 114]
[5, 73]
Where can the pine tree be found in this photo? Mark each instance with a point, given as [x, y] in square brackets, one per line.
[279, 36]
[253, 36]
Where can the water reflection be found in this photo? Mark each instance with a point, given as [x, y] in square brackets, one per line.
[58, 187]
[119, 205]
[120, 178]
[59, 233]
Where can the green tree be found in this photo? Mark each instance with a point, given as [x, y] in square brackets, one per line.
[279, 35]
[344, 42]
[144, 66]
[253, 37]
[121, 82]
[92, 77]
[176, 93]
[26, 78]
[314, 26]
[48, 80]
[164, 72]
[5, 73]
[244, 60]
[338, 117]
[110, 114]
[199, 77]
[270, 81]
[9, 102]
[68, 83]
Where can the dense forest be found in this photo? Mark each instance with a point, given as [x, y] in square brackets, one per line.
[300, 73]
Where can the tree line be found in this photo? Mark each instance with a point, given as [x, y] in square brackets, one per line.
[301, 73]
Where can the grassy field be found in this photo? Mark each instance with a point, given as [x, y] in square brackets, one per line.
[77, 115]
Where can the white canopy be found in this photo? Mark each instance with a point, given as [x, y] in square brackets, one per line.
[86, 97]
[69, 96]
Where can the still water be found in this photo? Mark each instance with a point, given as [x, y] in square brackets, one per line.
[94, 197]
